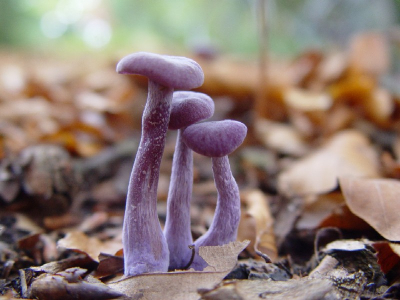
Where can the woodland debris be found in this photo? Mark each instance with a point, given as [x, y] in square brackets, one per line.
[183, 284]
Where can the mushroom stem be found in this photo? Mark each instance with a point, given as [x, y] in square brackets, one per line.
[145, 247]
[177, 225]
[224, 226]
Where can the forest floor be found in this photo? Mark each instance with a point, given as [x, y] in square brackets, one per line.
[318, 175]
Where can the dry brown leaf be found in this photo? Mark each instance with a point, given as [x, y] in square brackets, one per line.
[369, 53]
[317, 208]
[376, 201]
[183, 285]
[109, 265]
[308, 110]
[341, 217]
[332, 67]
[49, 287]
[339, 118]
[391, 167]
[24, 223]
[78, 137]
[353, 89]
[304, 68]
[92, 246]
[76, 261]
[388, 255]
[256, 224]
[306, 101]
[379, 106]
[224, 77]
[348, 153]
[280, 137]
[328, 210]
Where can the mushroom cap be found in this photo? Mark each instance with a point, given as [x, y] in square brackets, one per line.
[215, 138]
[188, 108]
[173, 71]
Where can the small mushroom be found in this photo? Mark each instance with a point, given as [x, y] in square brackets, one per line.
[145, 246]
[187, 108]
[217, 139]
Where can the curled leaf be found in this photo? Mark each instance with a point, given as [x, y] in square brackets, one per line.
[376, 201]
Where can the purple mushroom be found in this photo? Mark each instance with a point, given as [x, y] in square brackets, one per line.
[145, 247]
[187, 108]
[218, 139]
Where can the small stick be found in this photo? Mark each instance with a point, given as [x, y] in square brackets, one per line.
[191, 247]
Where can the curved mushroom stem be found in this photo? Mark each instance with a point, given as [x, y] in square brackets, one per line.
[177, 225]
[145, 247]
[224, 226]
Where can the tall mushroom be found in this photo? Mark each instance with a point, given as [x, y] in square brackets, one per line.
[187, 108]
[217, 139]
[145, 247]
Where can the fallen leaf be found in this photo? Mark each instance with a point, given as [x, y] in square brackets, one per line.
[305, 100]
[369, 53]
[222, 258]
[376, 201]
[109, 265]
[317, 208]
[49, 287]
[54, 267]
[256, 224]
[183, 285]
[304, 68]
[92, 246]
[280, 137]
[341, 217]
[352, 89]
[332, 67]
[388, 255]
[348, 153]
[328, 210]
[340, 117]
[379, 106]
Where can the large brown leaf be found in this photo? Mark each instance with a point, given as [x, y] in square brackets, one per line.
[348, 153]
[377, 201]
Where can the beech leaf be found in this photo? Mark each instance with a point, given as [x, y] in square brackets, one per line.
[256, 224]
[376, 201]
[91, 246]
[348, 153]
[183, 284]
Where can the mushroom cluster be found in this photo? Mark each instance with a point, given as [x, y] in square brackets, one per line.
[146, 247]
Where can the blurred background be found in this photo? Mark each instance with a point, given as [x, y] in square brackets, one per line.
[230, 26]
[57, 63]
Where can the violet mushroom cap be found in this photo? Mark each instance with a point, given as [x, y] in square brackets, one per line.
[218, 139]
[187, 108]
[172, 71]
[215, 138]
[145, 246]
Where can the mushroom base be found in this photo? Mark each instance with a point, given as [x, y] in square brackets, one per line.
[224, 226]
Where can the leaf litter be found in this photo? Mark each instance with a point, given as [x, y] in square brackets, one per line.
[318, 173]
